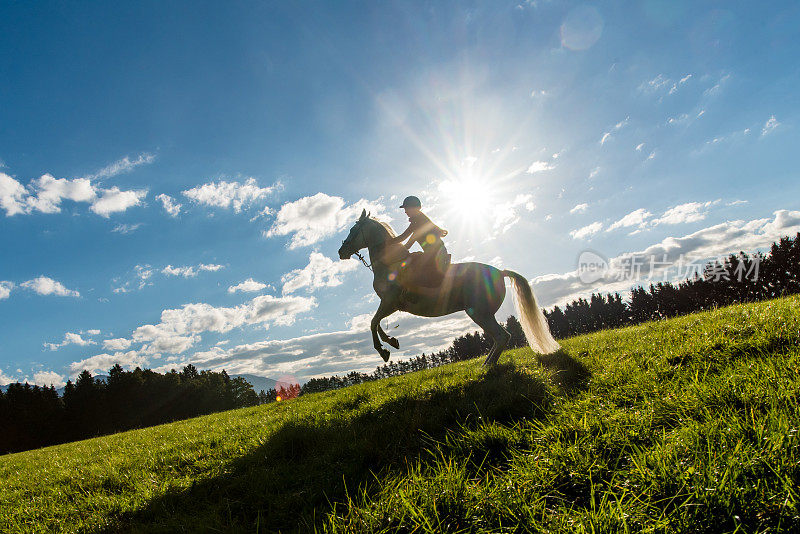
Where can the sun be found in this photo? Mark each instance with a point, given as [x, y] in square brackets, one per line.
[468, 200]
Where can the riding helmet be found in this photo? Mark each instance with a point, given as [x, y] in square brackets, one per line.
[411, 202]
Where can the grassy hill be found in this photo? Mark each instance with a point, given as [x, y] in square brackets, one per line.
[689, 424]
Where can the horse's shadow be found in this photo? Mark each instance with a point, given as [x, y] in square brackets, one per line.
[313, 463]
[568, 373]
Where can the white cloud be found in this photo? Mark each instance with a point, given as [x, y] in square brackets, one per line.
[139, 280]
[48, 192]
[733, 136]
[114, 200]
[117, 344]
[586, 231]
[47, 286]
[712, 242]
[179, 328]
[617, 127]
[6, 379]
[770, 125]
[310, 219]
[190, 270]
[506, 214]
[224, 194]
[661, 84]
[635, 218]
[5, 289]
[48, 378]
[676, 85]
[328, 353]
[93, 332]
[101, 363]
[540, 166]
[320, 272]
[12, 195]
[686, 213]
[248, 286]
[169, 204]
[657, 83]
[594, 172]
[265, 212]
[639, 147]
[579, 208]
[683, 117]
[70, 338]
[170, 344]
[716, 88]
[121, 166]
[126, 228]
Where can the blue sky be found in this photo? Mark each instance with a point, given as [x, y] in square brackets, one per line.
[177, 177]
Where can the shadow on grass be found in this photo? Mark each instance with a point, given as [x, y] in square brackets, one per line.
[568, 373]
[292, 481]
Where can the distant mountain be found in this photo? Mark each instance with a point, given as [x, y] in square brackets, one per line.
[60, 390]
[259, 383]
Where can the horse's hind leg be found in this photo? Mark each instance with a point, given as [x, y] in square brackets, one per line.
[500, 337]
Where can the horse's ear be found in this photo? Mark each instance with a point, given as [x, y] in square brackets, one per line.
[368, 214]
[363, 214]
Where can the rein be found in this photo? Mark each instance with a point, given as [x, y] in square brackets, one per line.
[358, 254]
[367, 265]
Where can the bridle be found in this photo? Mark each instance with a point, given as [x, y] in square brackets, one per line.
[367, 265]
[357, 253]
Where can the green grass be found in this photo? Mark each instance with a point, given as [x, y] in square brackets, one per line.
[689, 424]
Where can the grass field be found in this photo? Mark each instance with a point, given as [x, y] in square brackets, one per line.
[689, 424]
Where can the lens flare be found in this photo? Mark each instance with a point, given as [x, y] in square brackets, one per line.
[582, 28]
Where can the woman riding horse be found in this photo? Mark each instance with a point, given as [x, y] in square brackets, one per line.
[422, 230]
[475, 288]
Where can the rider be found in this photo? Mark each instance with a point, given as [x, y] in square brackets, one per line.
[429, 236]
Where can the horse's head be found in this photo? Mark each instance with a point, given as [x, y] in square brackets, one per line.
[356, 240]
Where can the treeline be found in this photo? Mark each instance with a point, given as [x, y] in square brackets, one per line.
[739, 278]
[463, 348]
[33, 416]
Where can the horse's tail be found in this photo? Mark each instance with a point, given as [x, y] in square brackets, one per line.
[534, 323]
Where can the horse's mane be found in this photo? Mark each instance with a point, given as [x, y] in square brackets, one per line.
[385, 226]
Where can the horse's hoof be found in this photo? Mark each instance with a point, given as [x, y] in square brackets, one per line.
[393, 342]
[384, 354]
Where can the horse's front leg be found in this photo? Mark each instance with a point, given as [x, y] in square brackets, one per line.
[387, 338]
[386, 308]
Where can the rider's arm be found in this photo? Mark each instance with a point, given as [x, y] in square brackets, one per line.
[405, 235]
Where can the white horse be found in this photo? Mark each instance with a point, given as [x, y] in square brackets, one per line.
[475, 288]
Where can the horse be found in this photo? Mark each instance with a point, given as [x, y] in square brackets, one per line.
[476, 288]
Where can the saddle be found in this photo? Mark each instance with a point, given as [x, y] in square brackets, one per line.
[414, 272]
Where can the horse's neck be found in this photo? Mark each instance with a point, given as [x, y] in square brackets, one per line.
[380, 250]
